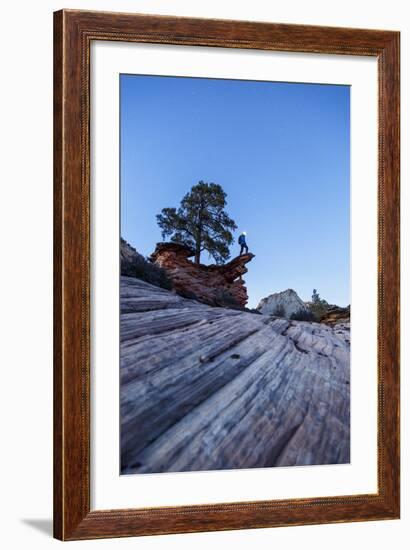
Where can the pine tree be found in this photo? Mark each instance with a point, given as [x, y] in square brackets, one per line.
[318, 306]
[200, 222]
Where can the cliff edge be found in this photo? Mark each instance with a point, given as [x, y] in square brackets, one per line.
[216, 285]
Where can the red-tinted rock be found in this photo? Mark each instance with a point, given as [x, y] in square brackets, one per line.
[336, 315]
[217, 285]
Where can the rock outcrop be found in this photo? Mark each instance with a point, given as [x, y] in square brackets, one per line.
[282, 304]
[216, 285]
[336, 315]
[129, 257]
[210, 388]
[133, 264]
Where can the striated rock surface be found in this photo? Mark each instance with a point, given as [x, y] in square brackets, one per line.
[205, 388]
[216, 285]
[282, 304]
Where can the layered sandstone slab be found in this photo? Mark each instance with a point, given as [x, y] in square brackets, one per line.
[205, 388]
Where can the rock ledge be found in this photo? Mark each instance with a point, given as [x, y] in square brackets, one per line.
[216, 285]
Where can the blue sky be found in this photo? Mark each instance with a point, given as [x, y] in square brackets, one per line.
[281, 152]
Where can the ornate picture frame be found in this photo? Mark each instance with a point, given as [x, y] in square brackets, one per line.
[74, 32]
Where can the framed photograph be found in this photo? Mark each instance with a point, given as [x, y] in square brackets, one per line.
[226, 275]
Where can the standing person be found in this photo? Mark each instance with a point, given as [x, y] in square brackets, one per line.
[242, 242]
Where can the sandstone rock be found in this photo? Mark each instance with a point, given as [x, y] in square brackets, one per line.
[282, 304]
[217, 285]
[205, 388]
[336, 315]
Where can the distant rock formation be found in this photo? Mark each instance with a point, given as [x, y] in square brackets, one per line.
[282, 304]
[216, 285]
[205, 388]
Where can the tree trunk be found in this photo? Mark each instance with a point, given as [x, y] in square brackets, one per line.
[198, 246]
[197, 254]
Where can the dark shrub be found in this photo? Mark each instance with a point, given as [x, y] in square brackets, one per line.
[225, 299]
[185, 293]
[135, 265]
[279, 311]
[153, 274]
[303, 315]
